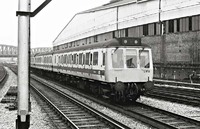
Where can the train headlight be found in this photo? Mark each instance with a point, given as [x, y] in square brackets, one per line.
[131, 41]
[136, 41]
[125, 41]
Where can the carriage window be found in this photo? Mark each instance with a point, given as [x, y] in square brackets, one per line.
[72, 59]
[90, 58]
[64, 60]
[131, 58]
[44, 59]
[144, 58]
[77, 58]
[75, 55]
[104, 56]
[95, 58]
[87, 58]
[80, 58]
[69, 59]
[117, 58]
[51, 59]
[58, 59]
[83, 59]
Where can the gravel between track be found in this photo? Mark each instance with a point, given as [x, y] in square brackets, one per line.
[39, 119]
[181, 109]
[130, 122]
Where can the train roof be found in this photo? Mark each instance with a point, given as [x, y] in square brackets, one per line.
[115, 42]
[43, 53]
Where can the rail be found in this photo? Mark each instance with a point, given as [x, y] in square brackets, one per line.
[107, 122]
[3, 73]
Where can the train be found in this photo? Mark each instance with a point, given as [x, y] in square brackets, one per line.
[119, 69]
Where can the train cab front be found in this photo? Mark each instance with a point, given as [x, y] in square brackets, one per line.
[131, 68]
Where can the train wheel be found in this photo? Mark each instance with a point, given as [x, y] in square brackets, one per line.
[81, 84]
[120, 97]
[123, 99]
[134, 92]
[117, 97]
[94, 89]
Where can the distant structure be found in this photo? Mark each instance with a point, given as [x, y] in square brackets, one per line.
[8, 51]
[40, 50]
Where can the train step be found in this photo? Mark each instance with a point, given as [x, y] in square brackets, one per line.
[105, 97]
[105, 91]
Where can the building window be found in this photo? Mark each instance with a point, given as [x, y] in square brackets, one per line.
[171, 26]
[155, 28]
[190, 23]
[113, 34]
[126, 32]
[178, 25]
[95, 38]
[145, 29]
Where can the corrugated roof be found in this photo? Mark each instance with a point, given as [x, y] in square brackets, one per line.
[110, 5]
[104, 7]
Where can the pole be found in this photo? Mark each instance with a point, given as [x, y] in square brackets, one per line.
[23, 116]
[162, 40]
[159, 17]
[23, 82]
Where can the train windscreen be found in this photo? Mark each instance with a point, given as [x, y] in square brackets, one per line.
[131, 58]
[117, 58]
[144, 59]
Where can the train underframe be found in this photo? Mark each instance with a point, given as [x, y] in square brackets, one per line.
[115, 92]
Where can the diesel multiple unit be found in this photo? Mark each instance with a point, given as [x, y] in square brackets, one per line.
[121, 68]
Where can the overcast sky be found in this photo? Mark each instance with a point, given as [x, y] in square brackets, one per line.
[46, 25]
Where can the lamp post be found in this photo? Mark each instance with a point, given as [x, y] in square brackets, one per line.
[23, 116]
[162, 42]
[24, 13]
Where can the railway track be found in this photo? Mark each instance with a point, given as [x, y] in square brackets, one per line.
[152, 116]
[175, 94]
[3, 74]
[177, 83]
[72, 113]
[160, 118]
